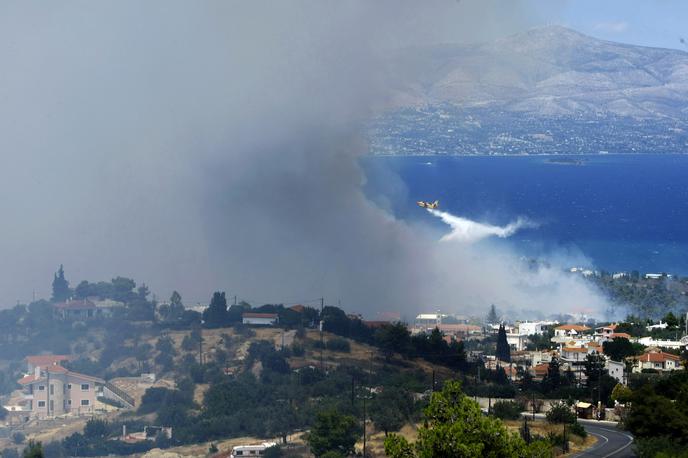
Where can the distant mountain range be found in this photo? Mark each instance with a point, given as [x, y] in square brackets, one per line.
[547, 90]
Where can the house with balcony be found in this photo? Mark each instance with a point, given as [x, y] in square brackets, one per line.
[51, 390]
[656, 360]
[572, 332]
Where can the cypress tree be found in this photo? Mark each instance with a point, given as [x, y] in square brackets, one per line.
[61, 291]
[503, 349]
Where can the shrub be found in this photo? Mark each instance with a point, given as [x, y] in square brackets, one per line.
[560, 413]
[18, 437]
[297, 349]
[578, 430]
[338, 344]
[10, 453]
[507, 410]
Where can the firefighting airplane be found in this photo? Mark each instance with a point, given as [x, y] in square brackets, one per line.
[433, 205]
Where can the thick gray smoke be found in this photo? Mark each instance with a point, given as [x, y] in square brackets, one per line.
[213, 145]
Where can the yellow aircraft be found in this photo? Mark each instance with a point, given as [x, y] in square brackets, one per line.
[433, 205]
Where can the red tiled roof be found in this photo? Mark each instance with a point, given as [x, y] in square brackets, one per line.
[375, 324]
[298, 308]
[658, 357]
[75, 305]
[27, 379]
[576, 349]
[258, 315]
[46, 360]
[620, 335]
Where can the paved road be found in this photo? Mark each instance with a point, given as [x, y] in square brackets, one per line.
[611, 442]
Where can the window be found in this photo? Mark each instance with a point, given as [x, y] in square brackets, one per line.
[69, 386]
[41, 387]
[52, 389]
[69, 402]
[85, 387]
[52, 405]
[85, 402]
[41, 403]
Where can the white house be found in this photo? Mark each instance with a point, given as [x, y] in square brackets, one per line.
[429, 319]
[616, 370]
[259, 319]
[530, 328]
[517, 342]
[676, 344]
[660, 325]
[241, 451]
[657, 360]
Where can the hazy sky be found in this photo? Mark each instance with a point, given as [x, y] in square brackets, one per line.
[658, 23]
[212, 145]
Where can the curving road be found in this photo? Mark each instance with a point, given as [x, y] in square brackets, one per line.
[611, 441]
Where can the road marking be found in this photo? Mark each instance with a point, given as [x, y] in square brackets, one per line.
[629, 437]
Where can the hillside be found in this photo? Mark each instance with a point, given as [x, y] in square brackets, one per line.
[535, 92]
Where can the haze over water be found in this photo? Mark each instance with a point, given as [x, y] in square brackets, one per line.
[613, 212]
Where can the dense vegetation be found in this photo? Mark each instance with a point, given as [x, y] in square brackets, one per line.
[454, 426]
[658, 414]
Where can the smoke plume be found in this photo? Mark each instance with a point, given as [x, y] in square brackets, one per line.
[213, 145]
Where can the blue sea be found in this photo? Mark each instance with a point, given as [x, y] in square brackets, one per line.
[618, 212]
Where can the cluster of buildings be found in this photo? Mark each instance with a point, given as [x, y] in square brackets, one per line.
[570, 344]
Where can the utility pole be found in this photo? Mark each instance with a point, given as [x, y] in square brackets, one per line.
[322, 344]
[533, 405]
[47, 406]
[433, 380]
[565, 447]
[200, 344]
[364, 426]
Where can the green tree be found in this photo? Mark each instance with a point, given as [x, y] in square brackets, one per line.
[620, 348]
[393, 338]
[189, 343]
[671, 320]
[61, 291]
[560, 413]
[33, 450]
[215, 315]
[492, 316]
[96, 429]
[503, 348]
[507, 410]
[123, 289]
[455, 426]
[165, 345]
[175, 309]
[391, 409]
[552, 380]
[594, 369]
[621, 393]
[333, 432]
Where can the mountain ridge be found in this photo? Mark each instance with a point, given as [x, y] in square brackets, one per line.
[549, 70]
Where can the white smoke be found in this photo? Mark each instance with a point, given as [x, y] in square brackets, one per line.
[468, 231]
